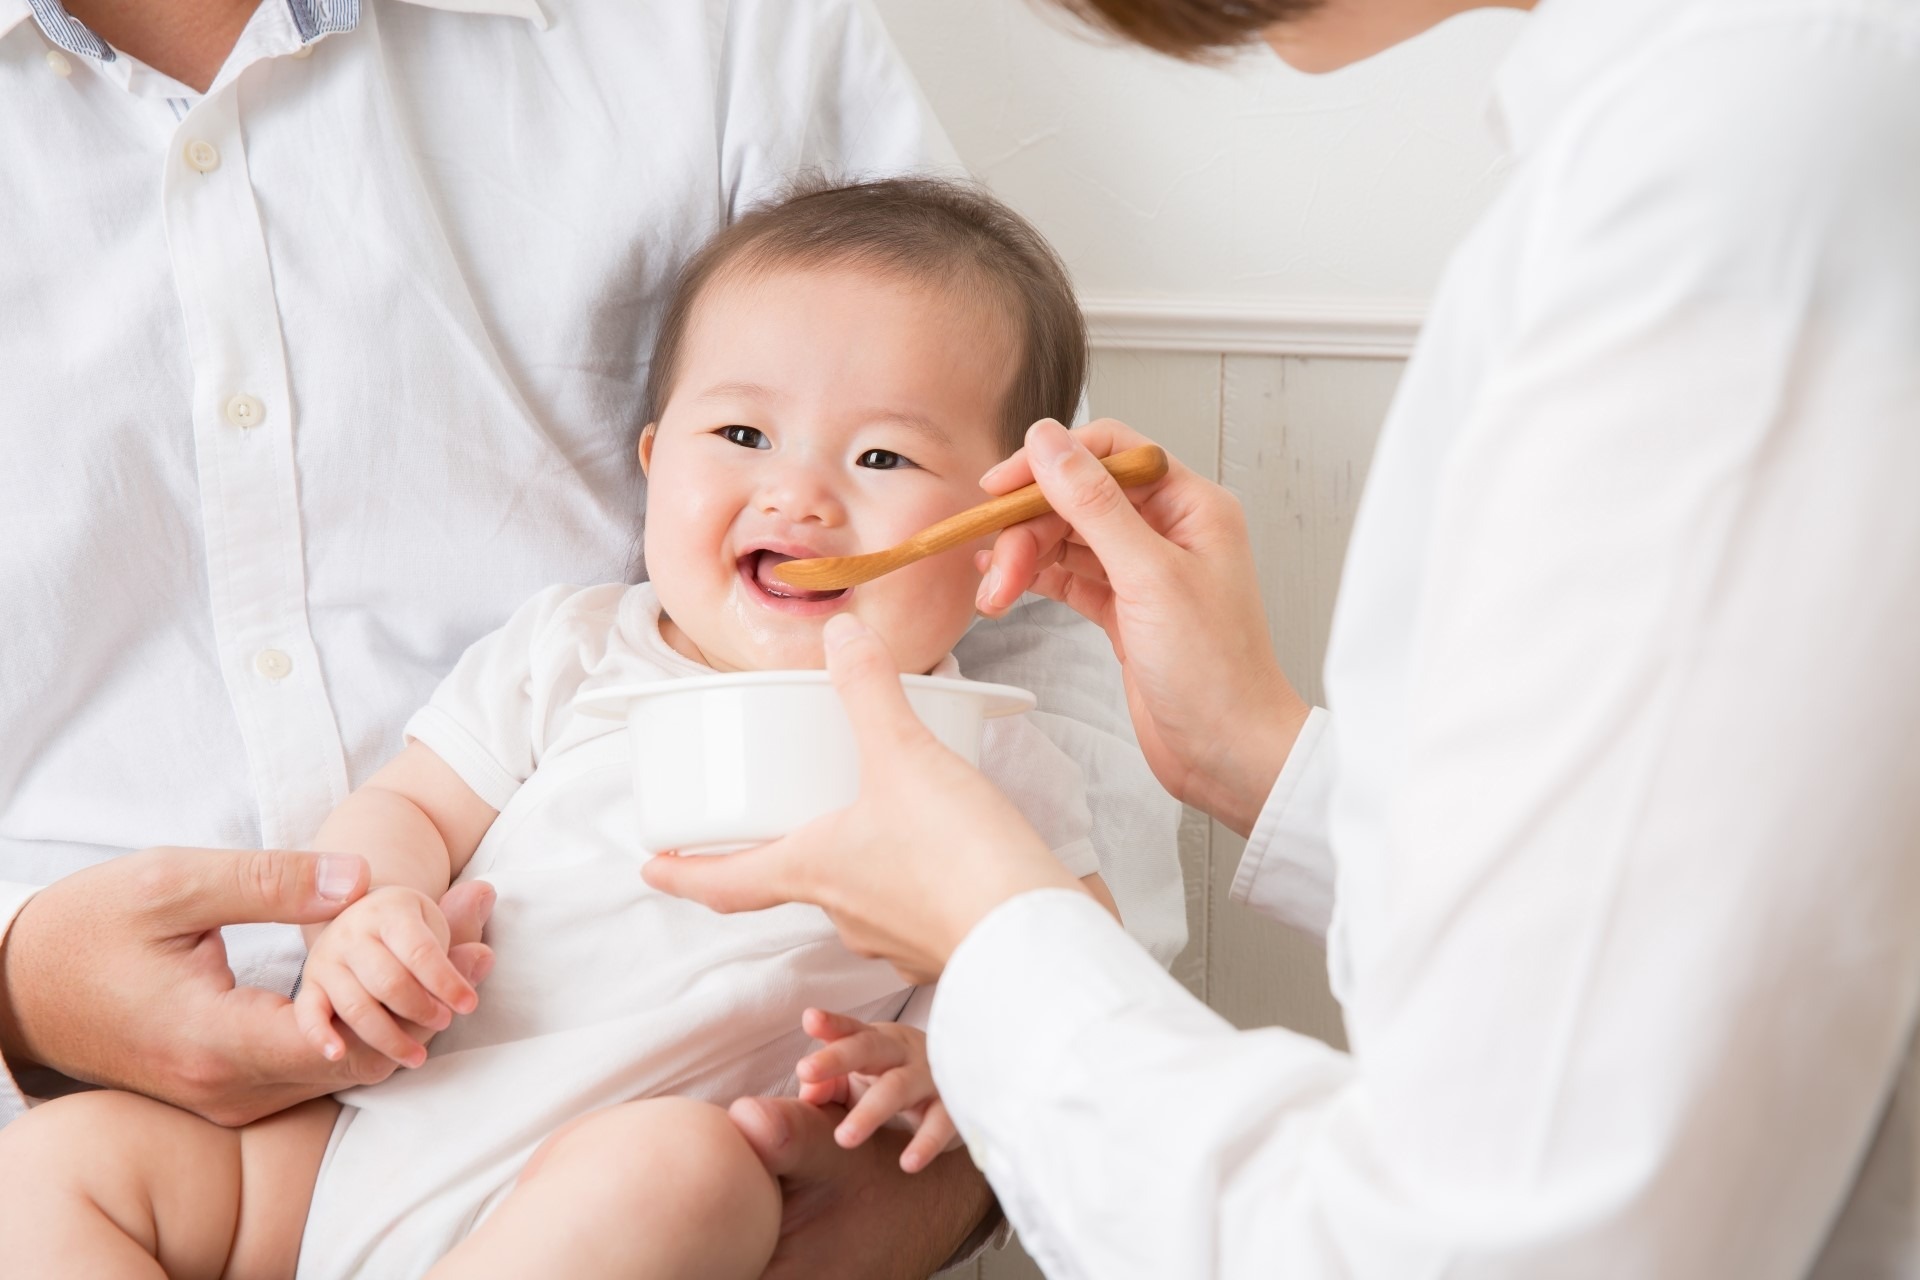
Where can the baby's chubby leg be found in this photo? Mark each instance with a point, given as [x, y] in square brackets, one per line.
[115, 1185]
[664, 1187]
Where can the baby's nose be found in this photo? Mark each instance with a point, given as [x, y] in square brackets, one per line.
[803, 496]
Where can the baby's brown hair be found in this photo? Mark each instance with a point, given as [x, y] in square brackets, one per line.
[930, 229]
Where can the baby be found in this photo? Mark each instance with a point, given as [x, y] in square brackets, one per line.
[834, 373]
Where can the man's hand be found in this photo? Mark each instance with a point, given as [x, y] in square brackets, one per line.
[853, 1214]
[117, 976]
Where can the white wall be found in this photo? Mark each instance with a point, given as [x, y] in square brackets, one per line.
[1247, 189]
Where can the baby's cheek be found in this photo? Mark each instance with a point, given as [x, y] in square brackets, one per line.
[932, 609]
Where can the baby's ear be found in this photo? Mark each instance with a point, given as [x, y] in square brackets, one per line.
[646, 446]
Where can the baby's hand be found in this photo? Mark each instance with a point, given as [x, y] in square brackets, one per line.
[383, 958]
[877, 1070]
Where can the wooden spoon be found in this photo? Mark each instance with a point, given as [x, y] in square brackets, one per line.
[1131, 467]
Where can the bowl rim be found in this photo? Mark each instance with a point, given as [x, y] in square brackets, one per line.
[611, 702]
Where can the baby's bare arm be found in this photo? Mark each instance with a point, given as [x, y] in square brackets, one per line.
[415, 821]
[384, 967]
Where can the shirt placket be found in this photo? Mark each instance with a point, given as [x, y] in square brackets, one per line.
[243, 424]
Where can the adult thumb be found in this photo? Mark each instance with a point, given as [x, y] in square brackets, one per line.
[195, 890]
[1086, 496]
[868, 681]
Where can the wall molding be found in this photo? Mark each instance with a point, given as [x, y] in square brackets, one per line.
[1379, 330]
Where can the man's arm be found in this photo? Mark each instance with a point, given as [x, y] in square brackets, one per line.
[919, 1221]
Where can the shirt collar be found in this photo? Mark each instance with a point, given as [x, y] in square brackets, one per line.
[312, 18]
[1563, 48]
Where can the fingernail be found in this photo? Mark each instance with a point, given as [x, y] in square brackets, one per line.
[844, 1135]
[989, 589]
[335, 878]
[1047, 447]
[331, 1052]
[841, 628]
[994, 470]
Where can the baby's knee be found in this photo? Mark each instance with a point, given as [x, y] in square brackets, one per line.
[672, 1151]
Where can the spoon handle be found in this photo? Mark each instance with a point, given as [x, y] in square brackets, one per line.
[1131, 467]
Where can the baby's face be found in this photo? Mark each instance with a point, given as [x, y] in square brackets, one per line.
[820, 412]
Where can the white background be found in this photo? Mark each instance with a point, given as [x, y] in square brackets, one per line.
[1245, 184]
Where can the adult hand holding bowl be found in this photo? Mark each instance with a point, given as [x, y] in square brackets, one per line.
[725, 762]
[908, 901]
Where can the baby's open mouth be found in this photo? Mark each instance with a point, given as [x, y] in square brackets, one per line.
[757, 567]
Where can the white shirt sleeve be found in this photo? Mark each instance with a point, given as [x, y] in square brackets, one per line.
[1286, 872]
[1069, 665]
[12, 898]
[1642, 966]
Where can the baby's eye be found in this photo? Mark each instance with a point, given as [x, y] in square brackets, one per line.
[747, 437]
[883, 460]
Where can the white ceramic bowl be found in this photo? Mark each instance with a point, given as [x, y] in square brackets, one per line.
[726, 762]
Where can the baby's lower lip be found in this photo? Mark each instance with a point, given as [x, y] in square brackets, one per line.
[755, 570]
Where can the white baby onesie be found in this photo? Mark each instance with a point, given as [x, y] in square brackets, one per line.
[602, 989]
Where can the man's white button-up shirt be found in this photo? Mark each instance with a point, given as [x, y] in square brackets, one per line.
[307, 381]
[1617, 809]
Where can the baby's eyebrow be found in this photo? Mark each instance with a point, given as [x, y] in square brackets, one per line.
[918, 423]
[736, 391]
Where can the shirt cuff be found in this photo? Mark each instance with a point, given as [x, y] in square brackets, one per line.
[13, 1102]
[450, 740]
[1287, 870]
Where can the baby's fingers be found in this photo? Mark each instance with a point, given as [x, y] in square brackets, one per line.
[387, 980]
[369, 1020]
[823, 1024]
[425, 955]
[885, 1098]
[867, 1052]
[935, 1134]
[837, 1092]
[313, 1013]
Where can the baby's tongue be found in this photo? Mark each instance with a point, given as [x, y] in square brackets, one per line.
[763, 566]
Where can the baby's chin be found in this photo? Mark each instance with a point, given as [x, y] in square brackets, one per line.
[798, 647]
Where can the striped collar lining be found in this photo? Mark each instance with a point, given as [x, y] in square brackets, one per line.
[312, 18]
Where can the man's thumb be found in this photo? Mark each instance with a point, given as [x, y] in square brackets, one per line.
[200, 889]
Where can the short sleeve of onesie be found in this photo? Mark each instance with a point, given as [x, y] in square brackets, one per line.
[492, 716]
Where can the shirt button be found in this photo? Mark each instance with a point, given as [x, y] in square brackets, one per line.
[58, 64]
[245, 411]
[273, 664]
[202, 155]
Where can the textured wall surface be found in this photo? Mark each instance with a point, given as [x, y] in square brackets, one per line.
[1245, 182]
